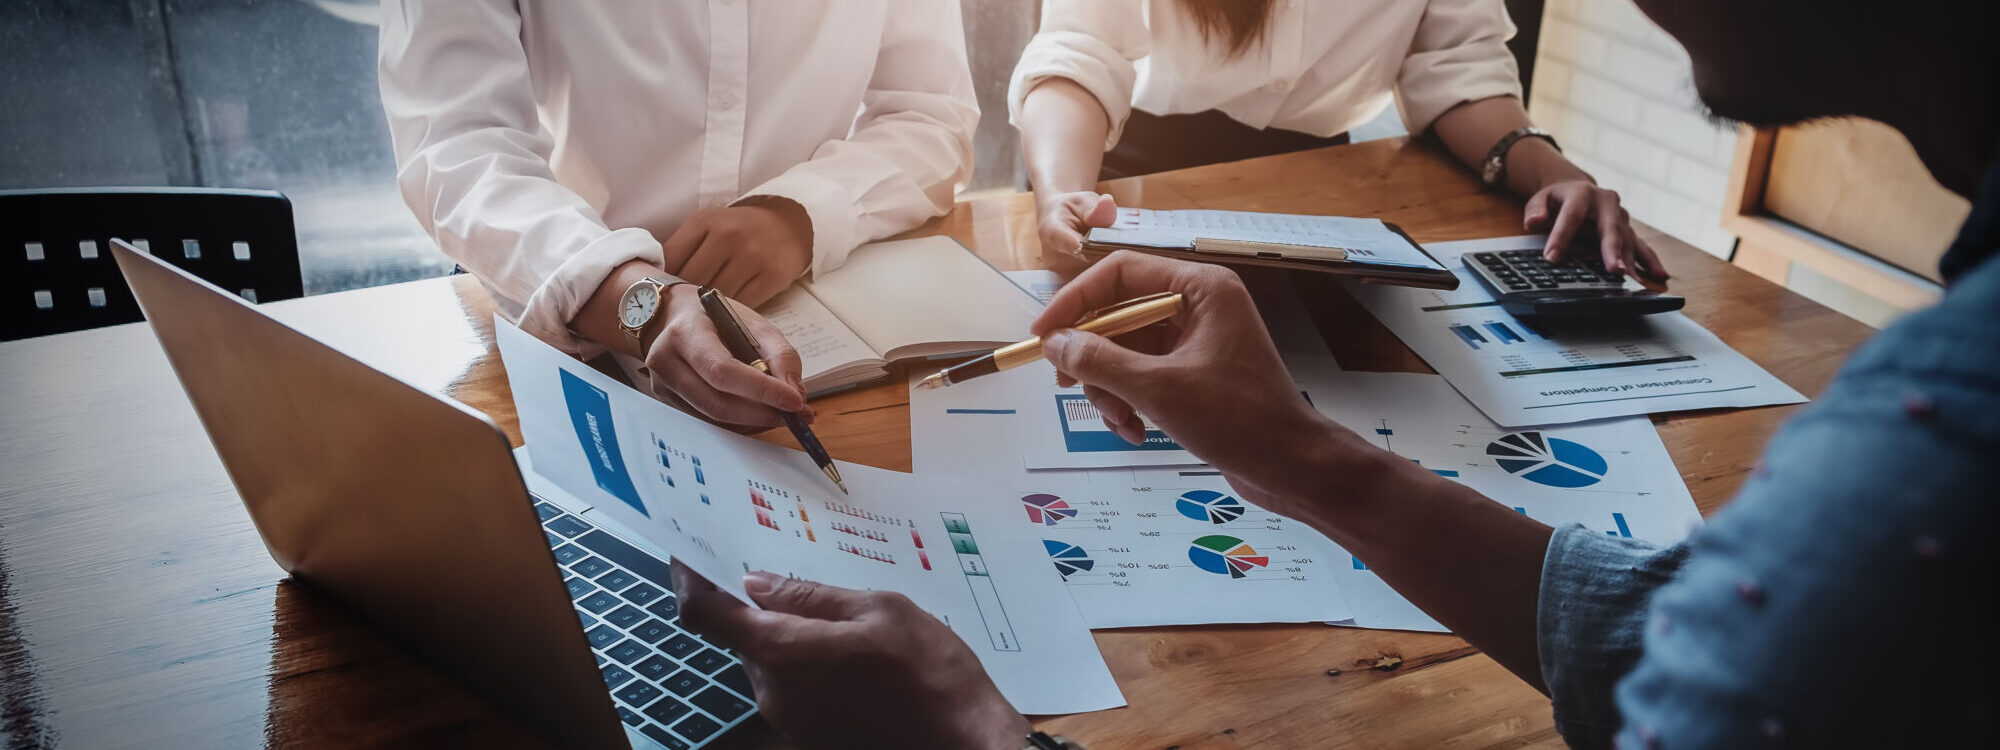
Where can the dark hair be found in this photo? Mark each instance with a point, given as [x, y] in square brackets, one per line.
[1237, 23]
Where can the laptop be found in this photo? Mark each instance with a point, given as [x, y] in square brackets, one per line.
[409, 510]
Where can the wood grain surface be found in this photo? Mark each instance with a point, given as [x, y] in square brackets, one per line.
[139, 609]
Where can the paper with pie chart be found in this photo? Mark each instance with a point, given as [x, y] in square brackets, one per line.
[1188, 554]
[1611, 475]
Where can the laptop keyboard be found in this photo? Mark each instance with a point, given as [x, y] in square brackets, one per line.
[668, 684]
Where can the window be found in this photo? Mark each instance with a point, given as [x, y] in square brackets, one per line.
[273, 94]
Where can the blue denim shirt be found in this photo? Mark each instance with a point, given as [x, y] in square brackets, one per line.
[1846, 597]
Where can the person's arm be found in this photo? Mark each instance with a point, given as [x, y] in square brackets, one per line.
[1471, 563]
[473, 164]
[1070, 96]
[910, 149]
[1563, 200]
[1460, 81]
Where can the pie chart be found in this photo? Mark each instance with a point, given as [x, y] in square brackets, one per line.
[1209, 506]
[1222, 554]
[1069, 558]
[1547, 460]
[1047, 510]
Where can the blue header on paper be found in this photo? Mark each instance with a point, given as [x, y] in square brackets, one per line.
[590, 412]
[1098, 439]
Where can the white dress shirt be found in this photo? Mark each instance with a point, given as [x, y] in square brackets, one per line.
[1321, 67]
[543, 143]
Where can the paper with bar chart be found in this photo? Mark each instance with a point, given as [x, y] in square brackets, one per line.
[1061, 429]
[1554, 372]
[1610, 475]
[726, 504]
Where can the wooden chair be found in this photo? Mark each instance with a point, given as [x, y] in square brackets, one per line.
[56, 272]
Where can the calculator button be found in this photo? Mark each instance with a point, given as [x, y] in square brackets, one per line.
[1545, 285]
[1517, 286]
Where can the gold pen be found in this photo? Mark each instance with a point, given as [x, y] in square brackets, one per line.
[1124, 317]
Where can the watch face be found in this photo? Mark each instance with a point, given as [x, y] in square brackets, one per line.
[638, 305]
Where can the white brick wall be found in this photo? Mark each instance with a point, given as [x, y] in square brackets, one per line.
[1618, 94]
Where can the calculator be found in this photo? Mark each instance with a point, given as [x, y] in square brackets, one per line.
[1527, 285]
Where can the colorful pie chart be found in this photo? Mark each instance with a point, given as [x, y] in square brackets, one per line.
[1047, 510]
[1222, 554]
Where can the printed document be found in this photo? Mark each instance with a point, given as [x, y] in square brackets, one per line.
[727, 504]
[1136, 547]
[1363, 240]
[1612, 475]
[1553, 372]
[1060, 429]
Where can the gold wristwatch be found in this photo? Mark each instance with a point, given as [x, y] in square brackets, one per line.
[641, 307]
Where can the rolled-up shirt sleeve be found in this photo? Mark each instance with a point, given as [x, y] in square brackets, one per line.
[911, 146]
[472, 162]
[1590, 623]
[1094, 43]
[1458, 55]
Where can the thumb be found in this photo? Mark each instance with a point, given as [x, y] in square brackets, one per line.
[1104, 214]
[1093, 359]
[797, 596]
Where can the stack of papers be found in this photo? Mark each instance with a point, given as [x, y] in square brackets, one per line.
[724, 505]
[1521, 374]
[1026, 521]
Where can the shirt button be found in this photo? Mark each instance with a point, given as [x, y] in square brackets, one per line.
[1280, 86]
[726, 101]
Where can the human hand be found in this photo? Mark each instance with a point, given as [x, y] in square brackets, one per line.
[839, 668]
[1566, 208]
[1063, 219]
[688, 361]
[1209, 377]
[751, 251]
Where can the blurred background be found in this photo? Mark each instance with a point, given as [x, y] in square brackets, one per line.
[281, 94]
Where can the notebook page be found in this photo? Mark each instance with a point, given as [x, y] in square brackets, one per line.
[922, 297]
[1364, 239]
[825, 344]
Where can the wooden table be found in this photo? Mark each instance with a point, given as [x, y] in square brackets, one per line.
[139, 609]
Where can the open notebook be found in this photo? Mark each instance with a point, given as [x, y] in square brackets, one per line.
[898, 300]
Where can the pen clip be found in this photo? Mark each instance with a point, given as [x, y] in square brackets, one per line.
[1133, 302]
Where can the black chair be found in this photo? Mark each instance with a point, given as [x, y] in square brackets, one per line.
[56, 272]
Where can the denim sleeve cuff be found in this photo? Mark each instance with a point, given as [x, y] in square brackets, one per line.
[1589, 622]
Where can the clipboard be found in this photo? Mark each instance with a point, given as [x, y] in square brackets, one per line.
[1321, 259]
